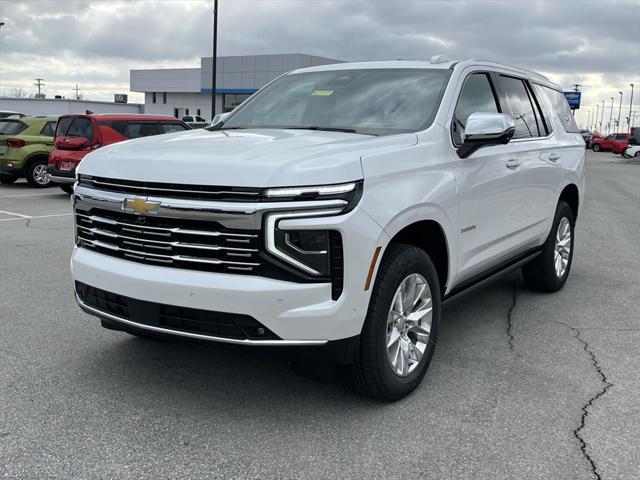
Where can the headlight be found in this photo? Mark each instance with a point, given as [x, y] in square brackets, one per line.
[307, 250]
[350, 192]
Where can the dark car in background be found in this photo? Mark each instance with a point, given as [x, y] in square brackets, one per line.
[587, 135]
[615, 142]
[77, 135]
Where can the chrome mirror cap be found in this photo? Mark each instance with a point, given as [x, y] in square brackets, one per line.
[484, 129]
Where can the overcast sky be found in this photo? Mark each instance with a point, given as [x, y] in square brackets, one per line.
[96, 43]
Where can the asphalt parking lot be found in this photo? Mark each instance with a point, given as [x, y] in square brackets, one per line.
[523, 385]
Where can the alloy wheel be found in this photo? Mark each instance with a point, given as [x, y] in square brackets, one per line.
[40, 174]
[563, 247]
[409, 324]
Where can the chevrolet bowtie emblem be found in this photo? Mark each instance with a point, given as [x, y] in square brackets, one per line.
[140, 205]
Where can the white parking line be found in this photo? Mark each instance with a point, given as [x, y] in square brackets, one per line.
[28, 217]
[28, 195]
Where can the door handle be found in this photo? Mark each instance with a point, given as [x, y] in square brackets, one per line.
[513, 163]
[554, 157]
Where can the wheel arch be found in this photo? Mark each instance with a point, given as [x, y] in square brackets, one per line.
[429, 236]
[571, 195]
[35, 156]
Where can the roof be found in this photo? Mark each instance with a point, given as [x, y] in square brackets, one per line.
[31, 120]
[123, 116]
[439, 62]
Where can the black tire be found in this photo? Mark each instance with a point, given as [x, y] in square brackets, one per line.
[540, 274]
[66, 188]
[7, 179]
[34, 173]
[373, 375]
[596, 147]
[637, 154]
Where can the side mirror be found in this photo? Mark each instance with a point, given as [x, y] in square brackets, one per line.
[484, 129]
[219, 118]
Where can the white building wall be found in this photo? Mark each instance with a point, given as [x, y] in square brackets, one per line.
[181, 101]
[30, 106]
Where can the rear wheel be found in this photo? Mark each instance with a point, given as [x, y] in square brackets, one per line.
[66, 188]
[596, 147]
[37, 173]
[550, 270]
[401, 328]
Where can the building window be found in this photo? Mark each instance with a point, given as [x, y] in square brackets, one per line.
[198, 112]
[232, 101]
[176, 113]
[186, 111]
[164, 97]
[153, 97]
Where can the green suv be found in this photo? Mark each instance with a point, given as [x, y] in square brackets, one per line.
[25, 144]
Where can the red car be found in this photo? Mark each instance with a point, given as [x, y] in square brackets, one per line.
[616, 142]
[77, 135]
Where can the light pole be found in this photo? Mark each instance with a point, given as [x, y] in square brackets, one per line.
[630, 103]
[619, 110]
[595, 123]
[588, 119]
[602, 118]
[610, 115]
[215, 57]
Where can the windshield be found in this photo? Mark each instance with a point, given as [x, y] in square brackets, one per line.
[370, 102]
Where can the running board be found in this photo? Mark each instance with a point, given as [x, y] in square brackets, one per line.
[483, 279]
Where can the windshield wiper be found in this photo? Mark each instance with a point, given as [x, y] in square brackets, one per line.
[324, 129]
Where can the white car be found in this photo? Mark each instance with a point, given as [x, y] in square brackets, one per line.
[334, 212]
[631, 151]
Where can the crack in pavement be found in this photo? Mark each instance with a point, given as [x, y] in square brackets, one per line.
[590, 402]
[510, 313]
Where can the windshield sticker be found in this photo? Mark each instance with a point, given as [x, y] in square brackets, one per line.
[321, 93]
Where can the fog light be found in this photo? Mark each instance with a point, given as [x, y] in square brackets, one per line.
[9, 164]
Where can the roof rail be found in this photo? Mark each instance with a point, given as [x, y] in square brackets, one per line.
[509, 66]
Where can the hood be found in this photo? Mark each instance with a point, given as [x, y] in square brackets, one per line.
[251, 158]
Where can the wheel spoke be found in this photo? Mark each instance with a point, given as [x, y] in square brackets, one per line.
[419, 314]
[393, 337]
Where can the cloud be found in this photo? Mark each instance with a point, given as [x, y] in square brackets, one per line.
[96, 43]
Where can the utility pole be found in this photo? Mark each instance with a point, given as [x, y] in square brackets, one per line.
[39, 83]
[630, 104]
[76, 90]
[215, 58]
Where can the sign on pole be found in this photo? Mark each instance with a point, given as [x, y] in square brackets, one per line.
[573, 98]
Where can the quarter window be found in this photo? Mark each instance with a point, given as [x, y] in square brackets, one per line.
[172, 127]
[522, 110]
[476, 96]
[137, 130]
[561, 109]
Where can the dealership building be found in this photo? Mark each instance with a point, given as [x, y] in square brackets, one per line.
[187, 91]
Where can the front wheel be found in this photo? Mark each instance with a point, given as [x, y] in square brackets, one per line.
[549, 271]
[596, 147]
[37, 173]
[401, 328]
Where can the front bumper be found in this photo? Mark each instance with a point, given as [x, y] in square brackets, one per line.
[300, 314]
[61, 176]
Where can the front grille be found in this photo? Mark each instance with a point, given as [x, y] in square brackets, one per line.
[178, 243]
[172, 190]
[182, 319]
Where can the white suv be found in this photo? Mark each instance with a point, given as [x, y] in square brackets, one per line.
[334, 212]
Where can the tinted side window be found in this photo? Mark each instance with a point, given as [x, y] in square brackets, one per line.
[139, 129]
[48, 129]
[610, 137]
[561, 109]
[476, 96]
[172, 127]
[621, 136]
[522, 110]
